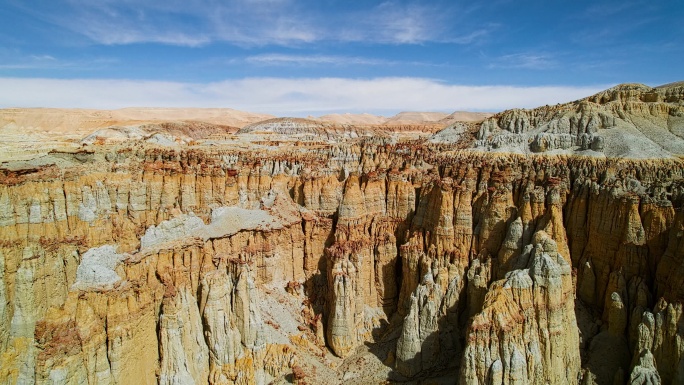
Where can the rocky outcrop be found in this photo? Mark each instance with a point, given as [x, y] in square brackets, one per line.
[223, 339]
[657, 345]
[361, 260]
[629, 120]
[645, 372]
[287, 129]
[183, 353]
[418, 344]
[426, 245]
[345, 316]
[526, 333]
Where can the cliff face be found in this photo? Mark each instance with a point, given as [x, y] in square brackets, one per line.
[527, 326]
[629, 120]
[352, 262]
[498, 269]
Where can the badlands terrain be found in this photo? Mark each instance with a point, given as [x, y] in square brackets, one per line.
[213, 246]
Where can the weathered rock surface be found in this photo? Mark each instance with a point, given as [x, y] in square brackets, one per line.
[526, 332]
[629, 120]
[352, 261]
[418, 347]
[298, 129]
[184, 356]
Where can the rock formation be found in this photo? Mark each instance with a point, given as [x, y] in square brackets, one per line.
[347, 258]
[629, 120]
[526, 332]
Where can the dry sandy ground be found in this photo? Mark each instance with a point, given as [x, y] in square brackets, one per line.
[83, 121]
[406, 118]
[72, 121]
[29, 132]
[362, 119]
[26, 133]
[465, 116]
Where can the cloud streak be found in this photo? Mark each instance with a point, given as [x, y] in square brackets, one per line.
[293, 97]
[276, 59]
[48, 62]
[533, 61]
[283, 59]
[195, 23]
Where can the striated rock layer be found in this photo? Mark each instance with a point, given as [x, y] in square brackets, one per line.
[360, 261]
[629, 120]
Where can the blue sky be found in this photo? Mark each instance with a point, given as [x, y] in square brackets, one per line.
[312, 57]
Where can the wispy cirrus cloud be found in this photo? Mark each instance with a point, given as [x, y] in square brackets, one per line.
[188, 23]
[395, 22]
[30, 62]
[47, 62]
[298, 97]
[473, 36]
[534, 61]
[256, 22]
[106, 34]
[284, 59]
[277, 59]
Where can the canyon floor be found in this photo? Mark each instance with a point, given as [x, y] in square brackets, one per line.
[214, 246]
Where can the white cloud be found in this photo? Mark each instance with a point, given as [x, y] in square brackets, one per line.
[109, 35]
[396, 22]
[42, 62]
[258, 22]
[404, 24]
[181, 22]
[473, 36]
[279, 96]
[276, 59]
[535, 61]
[283, 59]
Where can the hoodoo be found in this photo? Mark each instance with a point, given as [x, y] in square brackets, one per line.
[541, 246]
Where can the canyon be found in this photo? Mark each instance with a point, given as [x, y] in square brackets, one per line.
[541, 246]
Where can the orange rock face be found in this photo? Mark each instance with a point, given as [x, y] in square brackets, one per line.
[356, 261]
